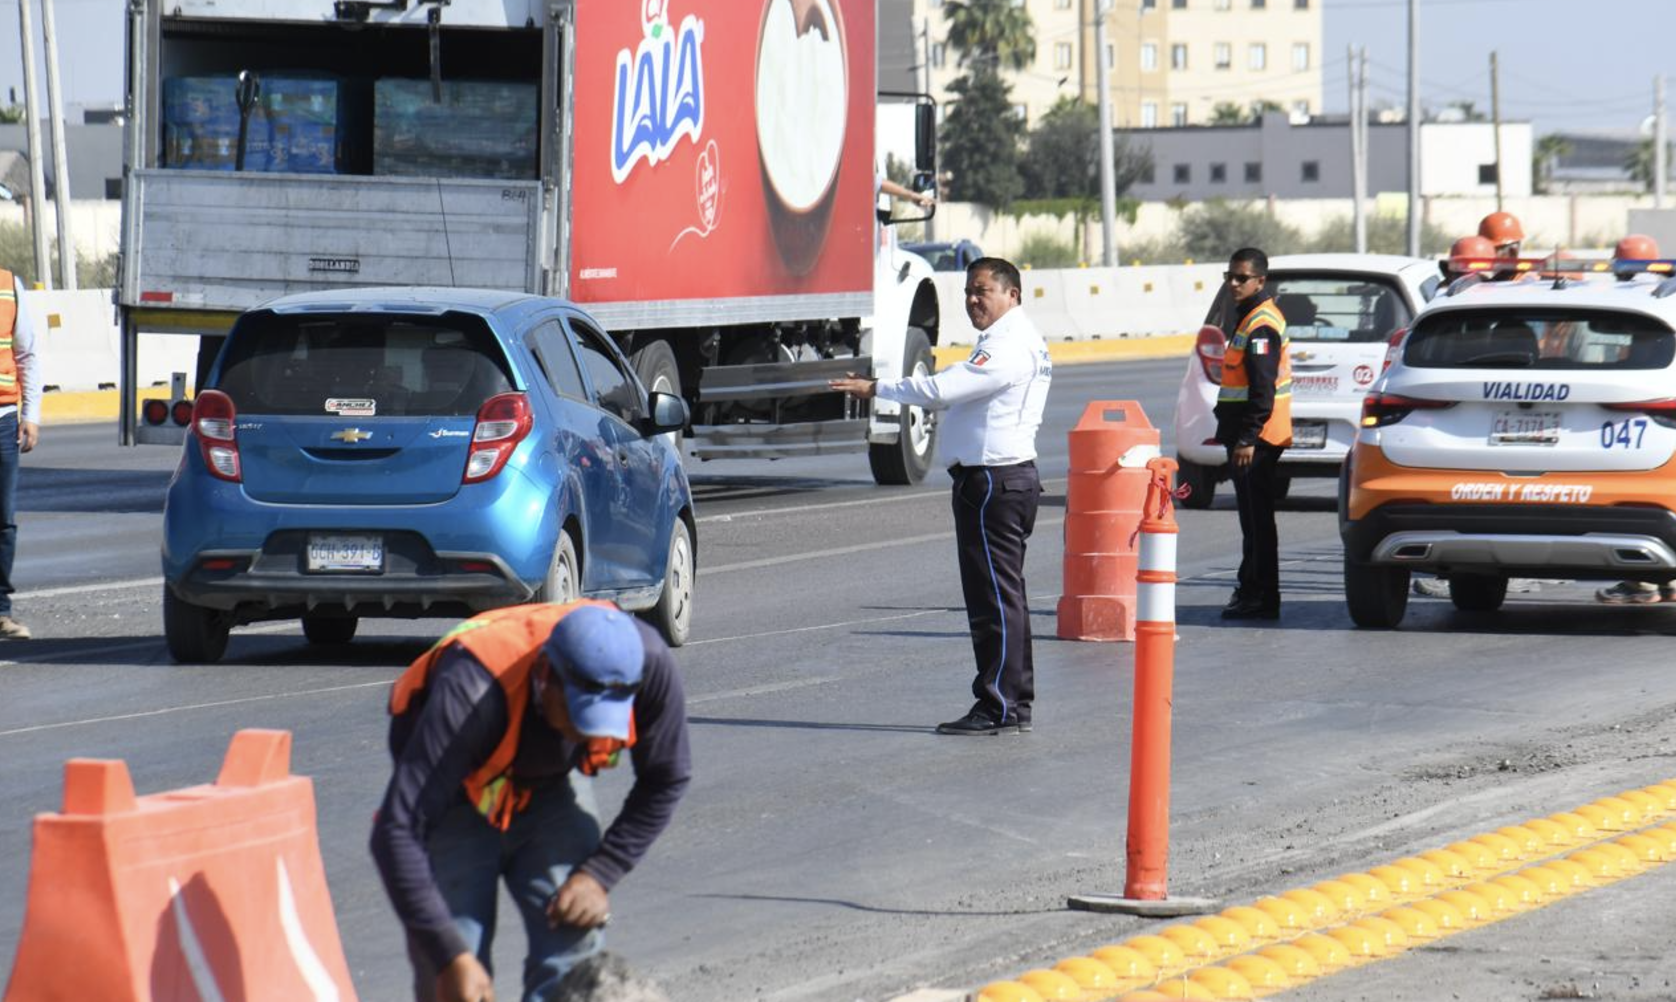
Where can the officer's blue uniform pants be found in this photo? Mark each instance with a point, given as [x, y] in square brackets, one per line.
[994, 513]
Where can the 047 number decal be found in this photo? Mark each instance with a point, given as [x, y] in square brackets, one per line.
[1625, 434]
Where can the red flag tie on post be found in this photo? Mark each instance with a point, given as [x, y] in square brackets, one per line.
[1148, 847]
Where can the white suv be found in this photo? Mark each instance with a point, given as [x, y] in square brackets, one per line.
[1524, 429]
[1340, 310]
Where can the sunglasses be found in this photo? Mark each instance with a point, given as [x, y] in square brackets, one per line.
[1237, 278]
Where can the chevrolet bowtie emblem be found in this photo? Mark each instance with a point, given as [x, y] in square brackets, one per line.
[1302, 356]
[351, 435]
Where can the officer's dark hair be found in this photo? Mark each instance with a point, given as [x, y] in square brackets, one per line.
[1001, 270]
[1250, 255]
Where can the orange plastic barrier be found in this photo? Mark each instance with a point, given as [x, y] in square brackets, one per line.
[1108, 481]
[211, 893]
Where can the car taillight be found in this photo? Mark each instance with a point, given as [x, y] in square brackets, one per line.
[1393, 347]
[1381, 409]
[214, 422]
[502, 422]
[1210, 348]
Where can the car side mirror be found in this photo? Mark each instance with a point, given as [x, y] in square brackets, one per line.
[669, 412]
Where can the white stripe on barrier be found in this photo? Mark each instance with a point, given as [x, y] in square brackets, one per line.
[1158, 551]
[1155, 602]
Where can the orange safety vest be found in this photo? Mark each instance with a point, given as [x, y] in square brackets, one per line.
[10, 391]
[1236, 384]
[507, 642]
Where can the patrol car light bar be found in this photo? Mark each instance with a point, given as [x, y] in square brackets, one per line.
[1553, 266]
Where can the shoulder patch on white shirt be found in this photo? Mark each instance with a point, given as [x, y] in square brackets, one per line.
[979, 357]
[1260, 346]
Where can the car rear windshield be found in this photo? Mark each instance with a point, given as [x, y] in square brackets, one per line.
[363, 364]
[1540, 339]
[1356, 308]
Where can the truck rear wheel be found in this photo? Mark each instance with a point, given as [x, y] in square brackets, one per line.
[907, 460]
[1377, 596]
[655, 365]
[195, 635]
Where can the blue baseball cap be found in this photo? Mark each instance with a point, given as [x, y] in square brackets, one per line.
[599, 655]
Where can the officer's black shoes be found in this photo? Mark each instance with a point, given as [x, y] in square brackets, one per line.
[981, 720]
[1024, 720]
[1251, 610]
[1234, 600]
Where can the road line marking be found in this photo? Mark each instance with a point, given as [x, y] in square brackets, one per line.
[763, 690]
[816, 627]
[193, 706]
[84, 589]
[882, 544]
[797, 509]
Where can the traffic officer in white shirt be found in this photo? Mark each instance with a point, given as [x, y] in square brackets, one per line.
[993, 403]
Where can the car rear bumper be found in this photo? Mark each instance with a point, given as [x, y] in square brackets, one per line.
[274, 582]
[1520, 540]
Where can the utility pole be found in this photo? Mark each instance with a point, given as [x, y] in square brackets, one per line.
[1108, 170]
[1661, 143]
[1413, 128]
[1495, 123]
[32, 121]
[60, 166]
[1358, 152]
[925, 88]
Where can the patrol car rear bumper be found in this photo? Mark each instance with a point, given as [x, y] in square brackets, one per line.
[1515, 540]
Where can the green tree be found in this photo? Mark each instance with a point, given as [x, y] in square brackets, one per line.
[1228, 113]
[981, 141]
[1549, 150]
[11, 114]
[1215, 229]
[991, 33]
[1640, 165]
[1386, 235]
[1261, 107]
[1062, 157]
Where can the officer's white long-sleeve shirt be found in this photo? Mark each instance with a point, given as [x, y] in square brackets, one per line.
[994, 399]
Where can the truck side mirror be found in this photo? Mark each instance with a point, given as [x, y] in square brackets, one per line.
[925, 138]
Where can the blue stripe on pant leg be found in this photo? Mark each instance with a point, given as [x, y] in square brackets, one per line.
[995, 579]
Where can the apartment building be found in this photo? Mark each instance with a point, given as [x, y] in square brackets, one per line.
[1171, 62]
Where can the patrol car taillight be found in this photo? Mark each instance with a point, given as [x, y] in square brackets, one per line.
[1381, 409]
[214, 422]
[502, 422]
[1210, 348]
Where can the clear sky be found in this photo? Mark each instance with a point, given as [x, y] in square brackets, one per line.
[1565, 63]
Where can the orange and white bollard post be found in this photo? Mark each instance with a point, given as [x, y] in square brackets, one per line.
[1148, 848]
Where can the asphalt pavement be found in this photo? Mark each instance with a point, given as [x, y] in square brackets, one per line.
[832, 847]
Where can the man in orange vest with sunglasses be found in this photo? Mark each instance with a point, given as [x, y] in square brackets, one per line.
[1254, 422]
[495, 731]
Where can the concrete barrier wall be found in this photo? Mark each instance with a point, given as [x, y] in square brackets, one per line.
[79, 345]
[1093, 304]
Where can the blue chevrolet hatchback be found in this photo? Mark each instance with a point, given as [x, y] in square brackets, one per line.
[422, 452]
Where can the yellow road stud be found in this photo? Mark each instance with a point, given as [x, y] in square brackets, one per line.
[1525, 892]
[1650, 806]
[1419, 926]
[1504, 847]
[1298, 963]
[1008, 991]
[1264, 975]
[1628, 862]
[1360, 942]
[1144, 995]
[1222, 983]
[1580, 827]
[1455, 866]
[1056, 986]
[1647, 848]
[1529, 842]
[1603, 867]
[1553, 833]
[1390, 933]
[1500, 899]
[1446, 915]
[1315, 905]
[1402, 883]
[1287, 914]
[1088, 973]
[1475, 908]
[1128, 963]
[1195, 942]
[1551, 882]
[1229, 935]
[1328, 953]
[1374, 891]
[1664, 792]
[1430, 876]
[1167, 958]
[1345, 897]
[1624, 814]
[1664, 835]
[1484, 859]
[1260, 925]
[1182, 988]
[1577, 874]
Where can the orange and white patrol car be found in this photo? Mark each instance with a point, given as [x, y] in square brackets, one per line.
[1525, 427]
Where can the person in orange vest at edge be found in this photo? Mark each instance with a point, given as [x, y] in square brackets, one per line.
[1254, 422]
[1636, 247]
[495, 732]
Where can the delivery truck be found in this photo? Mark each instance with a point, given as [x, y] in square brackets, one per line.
[700, 175]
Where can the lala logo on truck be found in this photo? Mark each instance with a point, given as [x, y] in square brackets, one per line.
[660, 90]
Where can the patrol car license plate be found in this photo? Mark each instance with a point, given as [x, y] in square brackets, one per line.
[1525, 428]
[361, 554]
[1309, 435]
